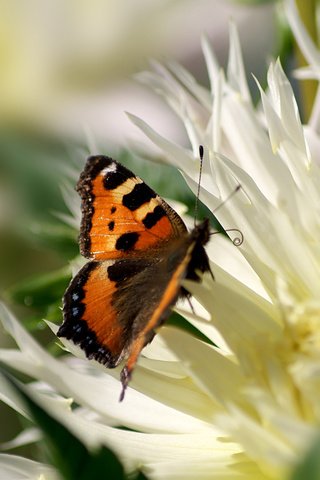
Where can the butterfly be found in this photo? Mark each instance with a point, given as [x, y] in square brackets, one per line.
[140, 251]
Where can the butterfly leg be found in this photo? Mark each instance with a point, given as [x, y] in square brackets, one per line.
[125, 377]
[211, 273]
[126, 372]
[191, 306]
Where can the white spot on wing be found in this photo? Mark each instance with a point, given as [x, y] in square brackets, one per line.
[111, 168]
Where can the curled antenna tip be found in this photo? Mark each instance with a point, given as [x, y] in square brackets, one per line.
[237, 241]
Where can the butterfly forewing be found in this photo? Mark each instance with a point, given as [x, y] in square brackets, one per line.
[121, 215]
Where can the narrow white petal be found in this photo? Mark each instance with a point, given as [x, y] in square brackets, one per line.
[227, 256]
[224, 467]
[251, 147]
[9, 396]
[286, 106]
[236, 71]
[240, 321]
[211, 61]
[221, 378]
[13, 467]
[308, 48]
[179, 156]
[188, 81]
[216, 112]
[26, 437]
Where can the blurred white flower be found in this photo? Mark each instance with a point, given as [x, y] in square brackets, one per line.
[249, 407]
[63, 63]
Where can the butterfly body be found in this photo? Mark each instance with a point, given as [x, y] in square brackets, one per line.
[141, 252]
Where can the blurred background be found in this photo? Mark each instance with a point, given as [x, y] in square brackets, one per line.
[67, 68]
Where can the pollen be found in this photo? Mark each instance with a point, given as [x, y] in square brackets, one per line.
[304, 329]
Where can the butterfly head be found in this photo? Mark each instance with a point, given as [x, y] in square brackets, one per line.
[201, 232]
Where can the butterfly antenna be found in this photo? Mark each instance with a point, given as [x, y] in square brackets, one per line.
[236, 190]
[237, 241]
[196, 207]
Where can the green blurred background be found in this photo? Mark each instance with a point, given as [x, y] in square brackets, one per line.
[66, 69]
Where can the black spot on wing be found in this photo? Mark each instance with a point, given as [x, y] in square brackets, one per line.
[140, 194]
[127, 241]
[152, 218]
[113, 209]
[122, 270]
[114, 179]
[111, 225]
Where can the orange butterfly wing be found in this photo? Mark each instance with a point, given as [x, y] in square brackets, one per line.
[121, 215]
[90, 319]
[141, 251]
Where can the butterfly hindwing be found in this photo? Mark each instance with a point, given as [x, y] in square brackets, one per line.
[113, 308]
[109, 303]
[121, 215]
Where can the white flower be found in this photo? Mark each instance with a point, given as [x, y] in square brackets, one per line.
[249, 407]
